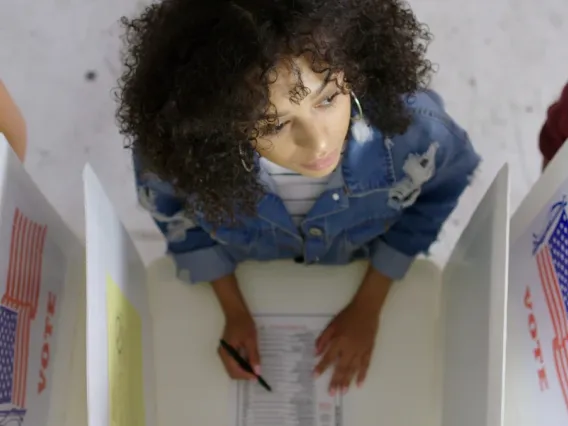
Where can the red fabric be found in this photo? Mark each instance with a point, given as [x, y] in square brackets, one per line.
[555, 130]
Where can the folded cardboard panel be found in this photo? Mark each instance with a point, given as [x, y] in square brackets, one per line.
[404, 386]
[537, 330]
[120, 349]
[42, 282]
[473, 314]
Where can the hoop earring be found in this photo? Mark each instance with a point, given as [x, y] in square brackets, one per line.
[360, 116]
[360, 129]
[247, 168]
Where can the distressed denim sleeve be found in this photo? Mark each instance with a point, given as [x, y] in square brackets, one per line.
[197, 256]
[420, 223]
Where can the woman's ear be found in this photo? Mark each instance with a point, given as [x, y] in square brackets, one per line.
[12, 123]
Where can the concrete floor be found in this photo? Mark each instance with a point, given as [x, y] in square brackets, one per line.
[501, 62]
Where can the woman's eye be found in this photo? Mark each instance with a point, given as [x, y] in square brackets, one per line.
[329, 100]
[277, 128]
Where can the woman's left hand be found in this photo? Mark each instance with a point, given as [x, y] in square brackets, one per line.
[347, 343]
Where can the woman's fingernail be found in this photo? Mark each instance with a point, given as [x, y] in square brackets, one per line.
[257, 370]
[332, 392]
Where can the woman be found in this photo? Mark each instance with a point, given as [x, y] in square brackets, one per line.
[291, 129]
[554, 131]
[12, 124]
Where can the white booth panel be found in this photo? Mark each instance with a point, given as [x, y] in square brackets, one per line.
[120, 365]
[537, 333]
[474, 306]
[42, 281]
[194, 388]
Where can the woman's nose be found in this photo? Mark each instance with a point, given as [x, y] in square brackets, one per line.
[313, 138]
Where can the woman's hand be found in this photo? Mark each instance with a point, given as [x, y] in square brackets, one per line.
[240, 329]
[348, 341]
[240, 333]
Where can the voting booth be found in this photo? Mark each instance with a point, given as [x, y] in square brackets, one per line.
[482, 342]
[439, 357]
[536, 391]
[42, 284]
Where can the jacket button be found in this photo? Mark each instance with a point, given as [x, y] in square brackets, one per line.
[315, 232]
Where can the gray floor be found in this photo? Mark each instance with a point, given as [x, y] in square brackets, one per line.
[501, 62]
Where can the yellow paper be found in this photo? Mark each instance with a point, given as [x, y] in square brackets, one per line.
[125, 373]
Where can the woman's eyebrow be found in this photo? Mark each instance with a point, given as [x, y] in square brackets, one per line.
[275, 116]
[323, 84]
[318, 92]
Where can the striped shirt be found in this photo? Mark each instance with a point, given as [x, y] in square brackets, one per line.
[298, 192]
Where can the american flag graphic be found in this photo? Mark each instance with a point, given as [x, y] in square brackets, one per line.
[552, 261]
[18, 307]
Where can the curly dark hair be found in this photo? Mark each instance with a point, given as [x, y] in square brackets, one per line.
[197, 73]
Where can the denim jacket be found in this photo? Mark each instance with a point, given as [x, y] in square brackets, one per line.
[386, 202]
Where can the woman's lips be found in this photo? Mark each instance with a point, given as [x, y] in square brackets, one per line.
[323, 163]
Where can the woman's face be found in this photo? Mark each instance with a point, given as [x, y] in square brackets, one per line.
[309, 135]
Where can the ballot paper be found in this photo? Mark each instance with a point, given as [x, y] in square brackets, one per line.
[287, 349]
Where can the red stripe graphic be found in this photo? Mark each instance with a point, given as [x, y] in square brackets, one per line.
[561, 362]
[22, 293]
[554, 301]
[552, 292]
